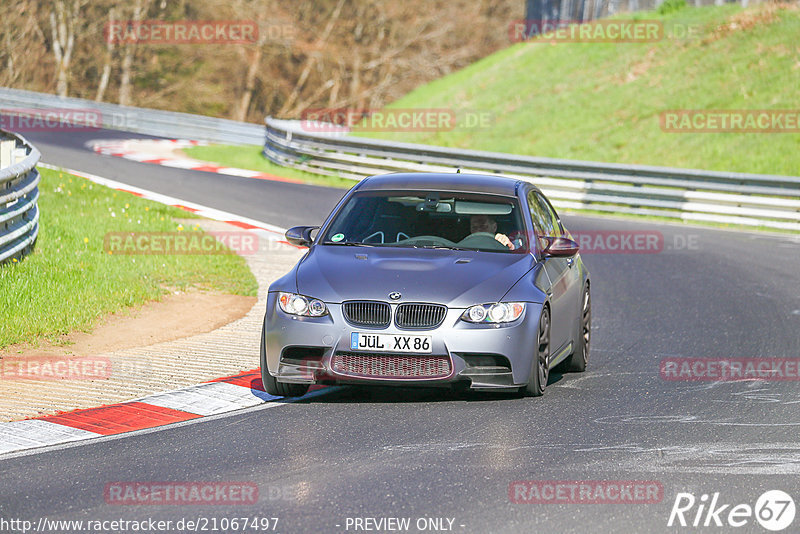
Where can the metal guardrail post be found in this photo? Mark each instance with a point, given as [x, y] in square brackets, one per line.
[19, 192]
[7, 147]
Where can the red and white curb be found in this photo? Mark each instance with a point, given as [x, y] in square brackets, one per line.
[216, 397]
[211, 398]
[269, 231]
[163, 152]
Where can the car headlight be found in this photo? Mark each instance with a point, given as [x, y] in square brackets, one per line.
[499, 312]
[294, 304]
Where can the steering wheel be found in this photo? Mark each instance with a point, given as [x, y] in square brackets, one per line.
[482, 240]
[427, 240]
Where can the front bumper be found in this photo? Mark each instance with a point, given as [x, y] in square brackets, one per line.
[484, 357]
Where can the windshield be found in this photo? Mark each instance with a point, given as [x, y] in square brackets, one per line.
[425, 219]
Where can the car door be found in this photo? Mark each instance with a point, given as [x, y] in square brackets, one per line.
[563, 275]
[572, 279]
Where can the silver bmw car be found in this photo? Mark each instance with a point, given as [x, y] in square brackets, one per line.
[425, 279]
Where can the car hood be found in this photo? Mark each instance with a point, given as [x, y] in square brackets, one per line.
[452, 277]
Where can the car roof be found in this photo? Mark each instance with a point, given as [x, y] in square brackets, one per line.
[430, 181]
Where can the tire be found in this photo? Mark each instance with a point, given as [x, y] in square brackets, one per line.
[540, 368]
[271, 385]
[580, 357]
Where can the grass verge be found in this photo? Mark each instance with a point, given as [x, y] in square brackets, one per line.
[603, 101]
[70, 281]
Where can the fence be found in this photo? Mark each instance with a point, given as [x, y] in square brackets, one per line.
[168, 124]
[19, 181]
[586, 10]
[686, 194]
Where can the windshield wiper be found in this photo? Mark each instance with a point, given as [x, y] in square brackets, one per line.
[348, 244]
[442, 247]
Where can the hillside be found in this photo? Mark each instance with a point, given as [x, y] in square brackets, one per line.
[603, 101]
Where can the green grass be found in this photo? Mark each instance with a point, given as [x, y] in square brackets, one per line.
[70, 281]
[250, 157]
[602, 101]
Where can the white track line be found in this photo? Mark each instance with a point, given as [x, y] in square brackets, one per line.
[204, 211]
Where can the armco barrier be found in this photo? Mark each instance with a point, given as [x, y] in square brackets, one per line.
[687, 194]
[19, 191]
[168, 124]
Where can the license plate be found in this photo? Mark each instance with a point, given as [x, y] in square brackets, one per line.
[390, 342]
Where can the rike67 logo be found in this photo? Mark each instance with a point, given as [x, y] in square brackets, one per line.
[774, 510]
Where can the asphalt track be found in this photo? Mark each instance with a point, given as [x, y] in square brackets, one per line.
[351, 453]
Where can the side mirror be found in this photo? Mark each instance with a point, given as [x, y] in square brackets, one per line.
[300, 235]
[560, 247]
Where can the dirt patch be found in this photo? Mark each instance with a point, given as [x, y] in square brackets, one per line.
[638, 69]
[176, 316]
[763, 15]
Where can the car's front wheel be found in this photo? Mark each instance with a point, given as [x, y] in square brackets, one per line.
[540, 369]
[271, 385]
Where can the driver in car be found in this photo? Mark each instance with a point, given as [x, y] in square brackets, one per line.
[484, 223]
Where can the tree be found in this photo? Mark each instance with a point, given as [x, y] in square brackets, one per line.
[139, 9]
[63, 22]
[103, 85]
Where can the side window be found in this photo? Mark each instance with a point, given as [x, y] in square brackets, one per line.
[540, 220]
[540, 215]
[552, 225]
